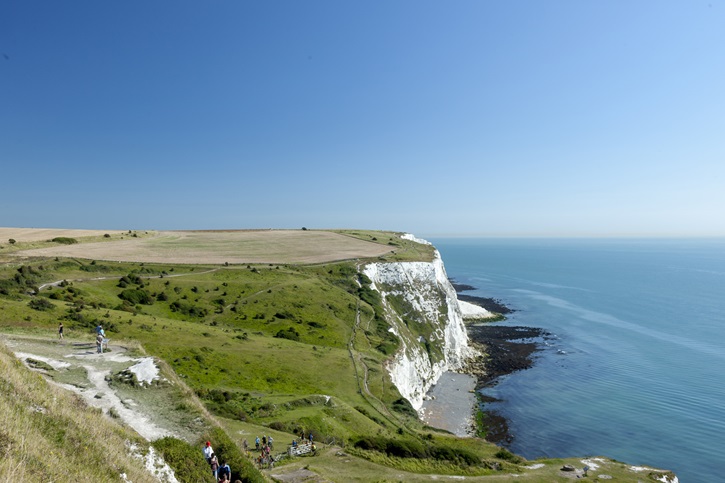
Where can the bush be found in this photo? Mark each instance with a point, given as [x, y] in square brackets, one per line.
[402, 405]
[289, 333]
[187, 461]
[136, 296]
[188, 309]
[41, 304]
[506, 455]
[409, 448]
[64, 240]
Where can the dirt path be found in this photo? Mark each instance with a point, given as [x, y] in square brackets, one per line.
[361, 375]
[116, 277]
[76, 366]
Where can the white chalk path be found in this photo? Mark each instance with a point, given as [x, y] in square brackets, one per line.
[100, 395]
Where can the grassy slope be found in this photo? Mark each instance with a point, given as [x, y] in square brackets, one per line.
[48, 434]
[216, 327]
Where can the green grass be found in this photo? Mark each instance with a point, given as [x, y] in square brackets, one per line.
[216, 328]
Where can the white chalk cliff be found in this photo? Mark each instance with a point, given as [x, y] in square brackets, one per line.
[430, 326]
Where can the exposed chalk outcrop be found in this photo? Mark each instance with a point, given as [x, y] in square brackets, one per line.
[430, 300]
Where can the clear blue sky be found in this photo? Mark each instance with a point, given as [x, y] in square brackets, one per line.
[439, 118]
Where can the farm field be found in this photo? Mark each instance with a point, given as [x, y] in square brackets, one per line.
[216, 247]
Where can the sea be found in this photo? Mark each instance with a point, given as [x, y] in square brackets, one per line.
[635, 368]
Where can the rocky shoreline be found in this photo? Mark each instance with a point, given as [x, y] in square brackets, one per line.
[505, 349]
[490, 304]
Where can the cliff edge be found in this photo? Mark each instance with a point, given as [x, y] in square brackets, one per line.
[422, 308]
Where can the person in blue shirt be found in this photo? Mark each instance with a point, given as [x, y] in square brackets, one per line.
[225, 471]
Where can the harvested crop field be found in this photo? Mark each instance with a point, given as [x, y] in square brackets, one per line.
[228, 246]
[42, 234]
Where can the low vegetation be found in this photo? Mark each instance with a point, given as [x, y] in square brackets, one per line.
[267, 348]
[49, 434]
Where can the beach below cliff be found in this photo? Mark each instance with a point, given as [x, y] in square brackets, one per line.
[454, 401]
[451, 404]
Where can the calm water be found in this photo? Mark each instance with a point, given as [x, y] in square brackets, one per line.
[642, 327]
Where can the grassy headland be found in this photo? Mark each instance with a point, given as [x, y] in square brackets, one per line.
[268, 348]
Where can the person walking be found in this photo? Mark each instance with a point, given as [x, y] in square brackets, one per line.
[208, 451]
[60, 331]
[99, 344]
[225, 472]
[214, 462]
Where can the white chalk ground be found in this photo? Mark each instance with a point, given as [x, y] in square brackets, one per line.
[145, 370]
[155, 465]
[65, 355]
[411, 237]
[471, 311]
[55, 364]
[593, 463]
[663, 478]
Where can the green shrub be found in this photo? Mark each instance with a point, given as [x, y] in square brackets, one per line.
[41, 304]
[64, 240]
[506, 455]
[186, 460]
[189, 309]
[136, 296]
[411, 448]
[289, 333]
[402, 405]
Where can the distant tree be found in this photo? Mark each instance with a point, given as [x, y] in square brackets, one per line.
[12, 241]
[304, 228]
[106, 235]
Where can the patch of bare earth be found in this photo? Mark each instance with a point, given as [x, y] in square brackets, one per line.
[219, 247]
[93, 386]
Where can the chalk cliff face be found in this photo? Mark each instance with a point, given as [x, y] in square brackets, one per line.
[423, 311]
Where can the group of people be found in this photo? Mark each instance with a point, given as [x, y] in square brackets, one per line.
[222, 472]
[265, 447]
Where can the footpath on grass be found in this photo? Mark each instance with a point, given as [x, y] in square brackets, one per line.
[76, 366]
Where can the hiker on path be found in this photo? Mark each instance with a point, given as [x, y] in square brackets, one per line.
[256, 443]
[100, 331]
[214, 462]
[208, 452]
[225, 472]
[60, 331]
[99, 344]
